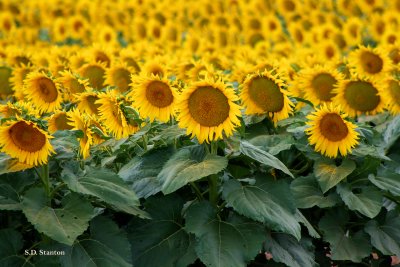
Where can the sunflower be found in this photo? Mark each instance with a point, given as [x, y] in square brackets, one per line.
[154, 97]
[318, 83]
[119, 75]
[262, 93]
[112, 117]
[87, 102]
[392, 93]
[330, 132]
[43, 91]
[58, 121]
[129, 56]
[72, 84]
[95, 73]
[352, 30]
[371, 62]
[359, 96]
[100, 54]
[5, 85]
[80, 122]
[25, 141]
[207, 109]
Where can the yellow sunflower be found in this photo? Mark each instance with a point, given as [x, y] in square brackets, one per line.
[318, 83]
[43, 91]
[392, 93]
[80, 122]
[95, 73]
[5, 85]
[207, 109]
[154, 97]
[87, 102]
[25, 141]
[72, 84]
[58, 121]
[262, 93]
[17, 80]
[330, 132]
[370, 62]
[359, 96]
[119, 75]
[112, 117]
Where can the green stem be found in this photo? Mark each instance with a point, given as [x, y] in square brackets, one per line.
[213, 179]
[44, 177]
[144, 138]
[213, 148]
[196, 190]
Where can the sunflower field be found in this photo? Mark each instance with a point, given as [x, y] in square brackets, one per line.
[219, 133]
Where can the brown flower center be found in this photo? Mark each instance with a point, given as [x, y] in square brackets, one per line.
[371, 62]
[266, 94]
[322, 85]
[47, 89]
[333, 127]
[362, 96]
[159, 94]
[26, 137]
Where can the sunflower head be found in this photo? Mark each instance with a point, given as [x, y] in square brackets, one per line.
[95, 73]
[154, 97]
[392, 94]
[330, 132]
[58, 121]
[370, 62]
[119, 76]
[263, 93]
[43, 91]
[72, 84]
[25, 141]
[80, 122]
[208, 109]
[87, 102]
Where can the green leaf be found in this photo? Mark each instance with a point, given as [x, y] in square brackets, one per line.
[386, 236]
[106, 186]
[266, 201]
[307, 193]
[392, 133]
[363, 150]
[286, 249]
[107, 246]
[188, 165]
[263, 157]
[222, 243]
[368, 201]
[328, 174]
[11, 187]
[10, 243]
[343, 246]
[273, 144]
[61, 224]
[386, 179]
[141, 172]
[161, 241]
[64, 144]
[311, 230]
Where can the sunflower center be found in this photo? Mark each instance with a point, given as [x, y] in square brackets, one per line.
[371, 62]
[26, 137]
[95, 74]
[323, 84]
[5, 86]
[102, 58]
[159, 94]
[91, 99]
[208, 106]
[61, 122]
[76, 87]
[289, 5]
[266, 94]
[48, 89]
[121, 78]
[362, 96]
[394, 87]
[333, 127]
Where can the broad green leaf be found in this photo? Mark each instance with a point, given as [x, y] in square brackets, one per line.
[63, 224]
[141, 172]
[386, 179]
[392, 133]
[386, 236]
[263, 157]
[107, 246]
[188, 165]
[161, 241]
[311, 230]
[343, 245]
[328, 174]
[286, 249]
[363, 150]
[106, 186]
[220, 243]
[11, 187]
[64, 144]
[10, 243]
[273, 144]
[368, 201]
[266, 201]
[307, 193]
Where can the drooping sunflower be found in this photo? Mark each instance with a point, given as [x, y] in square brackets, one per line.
[112, 117]
[330, 132]
[370, 62]
[43, 91]
[359, 96]
[262, 93]
[208, 109]
[95, 73]
[392, 94]
[119, 75]
[154, 97]
[80, 122]
[87, 102]
[25, 141]
[58, 121]
[318, 83]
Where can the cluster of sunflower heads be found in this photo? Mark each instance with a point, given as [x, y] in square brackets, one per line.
[106, 68]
